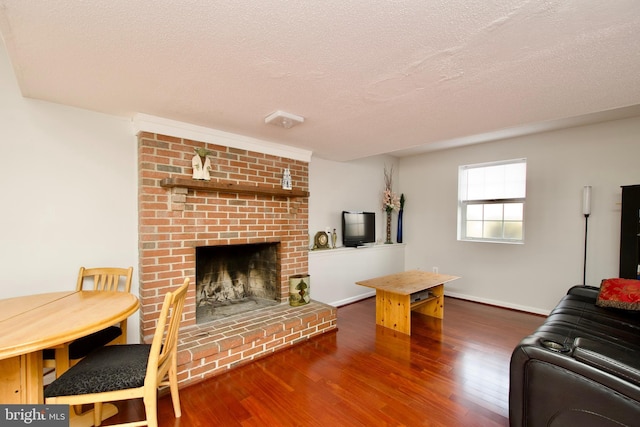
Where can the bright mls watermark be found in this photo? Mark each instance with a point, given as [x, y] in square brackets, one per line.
[34, 415]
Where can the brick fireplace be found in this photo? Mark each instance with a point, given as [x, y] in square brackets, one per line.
[242, 204]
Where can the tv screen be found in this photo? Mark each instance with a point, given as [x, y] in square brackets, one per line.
[358, 228]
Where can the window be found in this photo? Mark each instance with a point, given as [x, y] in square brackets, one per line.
[491, 200]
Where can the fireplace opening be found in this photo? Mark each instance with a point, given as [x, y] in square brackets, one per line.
[235, 279]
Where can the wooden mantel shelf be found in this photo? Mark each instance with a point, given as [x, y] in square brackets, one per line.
[230, 187]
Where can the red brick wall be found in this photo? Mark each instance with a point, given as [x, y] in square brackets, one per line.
[172, 222]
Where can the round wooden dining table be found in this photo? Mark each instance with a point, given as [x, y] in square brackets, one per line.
[31, 323]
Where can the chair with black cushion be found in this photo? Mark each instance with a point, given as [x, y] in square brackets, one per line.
[128, 371]
[98, 279]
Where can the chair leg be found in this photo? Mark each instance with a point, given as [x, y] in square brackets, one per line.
[97, 414]
[175, 395]
[151, 409]
[62, 359]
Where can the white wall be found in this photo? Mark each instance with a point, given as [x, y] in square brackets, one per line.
[69, 193]
[535, 275]
[334, 272]
[348, 186]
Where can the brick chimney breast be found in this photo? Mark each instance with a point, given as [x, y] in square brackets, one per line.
[174, 220]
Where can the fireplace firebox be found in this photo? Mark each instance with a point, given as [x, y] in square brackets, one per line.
[234, 279]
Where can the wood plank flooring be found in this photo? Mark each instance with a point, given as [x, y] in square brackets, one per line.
[451, 372]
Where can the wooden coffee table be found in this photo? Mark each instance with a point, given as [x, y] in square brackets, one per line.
[394, 295]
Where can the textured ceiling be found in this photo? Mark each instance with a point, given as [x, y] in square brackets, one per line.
[369, 76]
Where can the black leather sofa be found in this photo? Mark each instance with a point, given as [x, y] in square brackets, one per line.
[580, 368]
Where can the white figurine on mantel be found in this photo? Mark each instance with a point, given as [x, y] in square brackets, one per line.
[286, 180]
[201, 164]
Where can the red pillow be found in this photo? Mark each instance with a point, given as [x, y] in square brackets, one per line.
[619, 293]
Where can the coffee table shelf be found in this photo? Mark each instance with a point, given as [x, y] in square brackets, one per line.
[415, 305]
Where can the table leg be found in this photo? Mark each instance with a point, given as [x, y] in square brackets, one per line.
[34, 383]
[393, 311]
[11, 380]
[21, 379]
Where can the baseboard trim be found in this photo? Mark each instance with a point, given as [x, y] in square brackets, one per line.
[497, 303]
[472, 298]
[353, 299]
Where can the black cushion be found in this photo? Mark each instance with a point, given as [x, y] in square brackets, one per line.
[114, 367]
[85, 345]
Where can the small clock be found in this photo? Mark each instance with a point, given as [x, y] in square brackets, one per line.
[321, 240]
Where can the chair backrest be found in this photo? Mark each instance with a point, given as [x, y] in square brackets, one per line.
[105, 279]
[164, 347]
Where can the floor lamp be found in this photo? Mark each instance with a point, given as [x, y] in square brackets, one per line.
[586, 211]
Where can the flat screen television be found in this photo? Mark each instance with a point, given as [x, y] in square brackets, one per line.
[358, 228]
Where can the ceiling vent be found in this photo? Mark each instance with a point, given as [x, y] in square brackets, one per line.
[284, 119]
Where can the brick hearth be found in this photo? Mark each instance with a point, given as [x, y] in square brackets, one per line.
[175, 218]
[211, 348]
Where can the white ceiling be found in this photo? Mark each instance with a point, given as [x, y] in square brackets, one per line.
[368, 76]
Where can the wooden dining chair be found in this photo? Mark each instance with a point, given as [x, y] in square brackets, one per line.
[128, 371]
[97, 279]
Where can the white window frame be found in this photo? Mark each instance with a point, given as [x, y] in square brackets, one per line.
[516, 196]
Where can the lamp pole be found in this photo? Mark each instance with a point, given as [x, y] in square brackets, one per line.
[586, 211]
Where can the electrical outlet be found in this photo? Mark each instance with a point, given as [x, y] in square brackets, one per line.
[435, 270]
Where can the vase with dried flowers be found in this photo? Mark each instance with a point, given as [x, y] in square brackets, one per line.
[390, 201]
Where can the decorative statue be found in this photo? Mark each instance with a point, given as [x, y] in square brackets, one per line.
[201, 164]
[286, 179]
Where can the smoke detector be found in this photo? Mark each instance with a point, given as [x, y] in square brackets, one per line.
[284, 119]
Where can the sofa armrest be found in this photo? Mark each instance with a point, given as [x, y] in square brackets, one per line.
[588, 293]
[552, 384]
[623, 363]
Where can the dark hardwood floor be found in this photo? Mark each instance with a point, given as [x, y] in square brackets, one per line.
[451, 372]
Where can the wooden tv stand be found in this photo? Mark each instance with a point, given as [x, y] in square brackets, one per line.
[394, 297]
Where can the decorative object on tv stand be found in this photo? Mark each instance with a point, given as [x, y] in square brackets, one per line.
[586, 211]
[321, 240]
[299, 290]
[334, 238]
[201, 164]
[400, 214]
[286, 179]
[390, 201]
